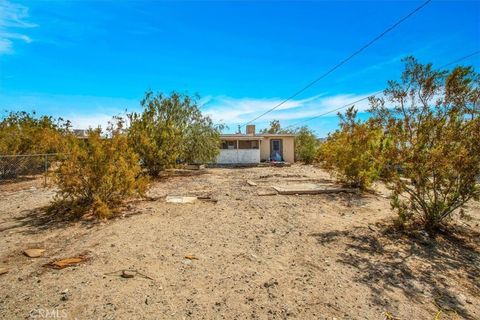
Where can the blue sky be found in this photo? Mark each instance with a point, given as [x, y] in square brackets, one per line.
[89, 60]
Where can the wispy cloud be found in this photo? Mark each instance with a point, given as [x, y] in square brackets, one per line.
[13, 22]
[94, 111]
[83, 111]
[232, 111]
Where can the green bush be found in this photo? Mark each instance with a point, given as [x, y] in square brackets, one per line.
[306, 145]
[353, 153]
[432, 123]
[172, 129]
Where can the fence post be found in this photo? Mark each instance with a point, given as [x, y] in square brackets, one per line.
[46, 169]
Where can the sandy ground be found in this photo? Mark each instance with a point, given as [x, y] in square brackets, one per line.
[258, 257]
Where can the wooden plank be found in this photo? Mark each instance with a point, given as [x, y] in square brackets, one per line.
[267, 193]
[288, 191]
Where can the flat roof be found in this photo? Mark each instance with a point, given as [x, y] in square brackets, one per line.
[277, 135]
[239, 137]
[244, 136]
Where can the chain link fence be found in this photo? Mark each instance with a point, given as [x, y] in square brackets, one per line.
[28, 166]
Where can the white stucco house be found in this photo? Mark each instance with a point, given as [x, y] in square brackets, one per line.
[252, 148]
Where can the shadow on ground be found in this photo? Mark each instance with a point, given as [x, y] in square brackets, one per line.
[387, 260]
[39, 220]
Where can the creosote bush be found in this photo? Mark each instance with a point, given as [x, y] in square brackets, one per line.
[306, 145]
[172, 129]
[353, 152]
[97, 175]
[431, 120]
[27, 133]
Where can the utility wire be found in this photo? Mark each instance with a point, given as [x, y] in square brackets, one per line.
[336, 109]
[375, 94]
[460, 59]
[341, 63]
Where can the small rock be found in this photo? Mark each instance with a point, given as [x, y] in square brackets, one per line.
[34, 253]
[3, 271]
[65, 295]
[127, 274]
[187, 261]
[270, 283]
[462, 299]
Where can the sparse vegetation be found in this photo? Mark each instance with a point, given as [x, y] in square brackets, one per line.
[353, 152]
[432, 123]
[172, 129]
[274, 128]
[306, 145]
[98, 174]
[26, 133]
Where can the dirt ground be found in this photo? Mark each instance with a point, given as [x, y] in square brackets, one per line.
[258, 257]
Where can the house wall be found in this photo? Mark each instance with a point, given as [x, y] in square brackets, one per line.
[288, 144]
[244, 156]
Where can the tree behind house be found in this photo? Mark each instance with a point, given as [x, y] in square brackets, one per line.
[306, 145]
[171, 129]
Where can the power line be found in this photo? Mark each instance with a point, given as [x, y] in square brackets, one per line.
[396, 24]
[376, 93]
[336, 109]
[460, 59]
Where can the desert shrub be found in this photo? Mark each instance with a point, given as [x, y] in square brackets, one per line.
[25, 133]
[98, 174]
[202, 140]
[431, 119]
[275, 127]
[172, 129]
[353, 153]
[306, 145]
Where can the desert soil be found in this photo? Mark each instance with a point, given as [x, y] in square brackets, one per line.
[258, 257]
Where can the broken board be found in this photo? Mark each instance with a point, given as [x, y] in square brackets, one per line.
[311, 189]
[180, 199]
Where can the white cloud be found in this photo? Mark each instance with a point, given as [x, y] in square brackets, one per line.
[83, 111]
[93, 111]
[12, 21]
[89, 121]
[233, 112]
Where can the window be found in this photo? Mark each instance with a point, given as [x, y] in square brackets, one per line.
[248, 144]
[230, 145]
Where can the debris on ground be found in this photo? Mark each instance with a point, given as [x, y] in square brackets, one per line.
[3, 270]
[195, 167]
[191, 258]
[267, 193]
[34, 253]
[251, 183]
[67, 262]
[128, 274]
[207, 199]
[311, 189]
[180, 199]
